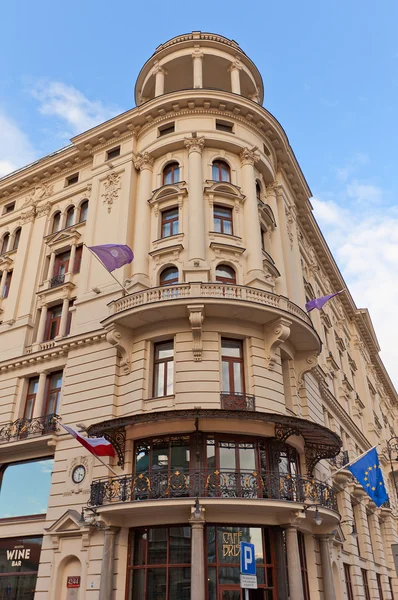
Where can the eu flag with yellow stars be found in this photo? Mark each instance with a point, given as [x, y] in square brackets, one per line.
[367, 471]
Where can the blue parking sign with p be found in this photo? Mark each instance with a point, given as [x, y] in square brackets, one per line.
[247, 559]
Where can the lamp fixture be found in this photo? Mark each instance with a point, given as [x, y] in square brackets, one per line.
[89, 517]
[318, 519]
[197, 513]
[354, 531]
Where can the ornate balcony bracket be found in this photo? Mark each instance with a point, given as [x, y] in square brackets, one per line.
[122, 340]
[304, 363]
[117, 437]
[275, 334]
[316, 452]
[196, 318]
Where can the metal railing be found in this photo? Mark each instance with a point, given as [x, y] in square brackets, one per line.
[180, 291]
[341, 460]
[211, 484]
[57, 280]
[237, 401]
[28, 428]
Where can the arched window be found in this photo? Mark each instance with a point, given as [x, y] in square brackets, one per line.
[17, 236]
[56, 222]
[171, 173]
[221, 171]
[70, 216]
[169, 276]
[258, 190]
[4, 243]
[225, 274]
[83, 211]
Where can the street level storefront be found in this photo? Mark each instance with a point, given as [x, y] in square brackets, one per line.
[159, 564]
[19, 563]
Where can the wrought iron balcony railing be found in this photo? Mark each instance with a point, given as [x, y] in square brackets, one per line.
[28, 428]
[237, 401]
[341, 460]
[212, 484]
[57, 280]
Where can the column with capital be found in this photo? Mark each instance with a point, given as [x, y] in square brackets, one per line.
[64, 318]
[108, 564]
[326, 566]
[3, 282]
[276, 240]
[159, 73]
[197, 523]
[196, 205]
[140, 279]
[197, 59]
[42, 324]
[293, 564]
[234, 71]
[50, 271]
[38, 408]
[255, 272]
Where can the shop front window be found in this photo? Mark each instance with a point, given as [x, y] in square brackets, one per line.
[25, 487]
[19, 563]
[160, 563]
[223, 558]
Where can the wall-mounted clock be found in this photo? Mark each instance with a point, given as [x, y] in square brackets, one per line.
[78, 474]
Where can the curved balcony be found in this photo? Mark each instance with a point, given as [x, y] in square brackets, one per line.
[19, 438]
[266, 485]
[219, 300]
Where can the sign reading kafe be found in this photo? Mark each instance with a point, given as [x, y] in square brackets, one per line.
[231, 543]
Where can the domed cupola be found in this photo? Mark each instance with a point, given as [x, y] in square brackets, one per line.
[199, 60]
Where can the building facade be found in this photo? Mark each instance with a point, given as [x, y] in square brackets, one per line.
[231, 410]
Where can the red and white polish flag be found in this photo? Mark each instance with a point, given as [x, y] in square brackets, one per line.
[97, 446]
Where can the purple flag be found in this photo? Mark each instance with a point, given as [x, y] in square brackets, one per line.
[320, 302]
[113, 256]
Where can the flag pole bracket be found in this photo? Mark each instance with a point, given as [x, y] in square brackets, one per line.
[117, 437]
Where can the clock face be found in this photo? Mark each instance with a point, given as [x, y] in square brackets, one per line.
[78, 474]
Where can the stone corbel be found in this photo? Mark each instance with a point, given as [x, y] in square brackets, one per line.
[196, 317]
[275, 334]
[304, 363]
[122, 340]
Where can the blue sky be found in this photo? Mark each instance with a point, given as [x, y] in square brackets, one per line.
[330, 78]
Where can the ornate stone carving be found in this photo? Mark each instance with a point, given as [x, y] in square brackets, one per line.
[112, 187]
[144, 161]
[28, 215]
[249, 157]
[157, 68]
[122, 340]
[275, 334]
[194, 144]
[196, 317]
[304, 363]
[39, 192]
[290, 224]
[43, 209]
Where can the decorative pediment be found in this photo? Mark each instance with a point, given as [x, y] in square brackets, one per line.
[221, 248]
[5, 261]
[266, 213]
[309, 290]
[66, 237]
[223, 189]
[269, 265]
[175, 250]
[169, 192]
[69, 525]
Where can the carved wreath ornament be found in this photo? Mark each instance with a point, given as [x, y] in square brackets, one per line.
[111, 187]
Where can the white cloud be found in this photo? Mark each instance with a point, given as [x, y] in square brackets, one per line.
[365, 192]
[352, 166]
[69, 105]
[15, 148]
[365, 244]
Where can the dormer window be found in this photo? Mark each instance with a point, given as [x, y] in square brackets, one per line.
[171, 173]
[221, 171]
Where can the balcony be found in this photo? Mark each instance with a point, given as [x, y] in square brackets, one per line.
[57, 280]
[237, 401]
[212, 484]
[21, 429]
[341, 460]
[219, 301]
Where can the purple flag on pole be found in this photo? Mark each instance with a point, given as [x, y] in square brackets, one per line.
[320, 302]
[113, 256]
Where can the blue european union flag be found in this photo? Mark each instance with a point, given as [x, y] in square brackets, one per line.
[367, 471]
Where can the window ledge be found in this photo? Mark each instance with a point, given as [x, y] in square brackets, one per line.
[174, 249]
[177, 237]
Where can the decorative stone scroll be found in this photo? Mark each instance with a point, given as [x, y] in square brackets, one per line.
[194, 144]
[196, 317]
[249, 157]
[112, 187]
[275, 334]
[118, 337]
[144, 161]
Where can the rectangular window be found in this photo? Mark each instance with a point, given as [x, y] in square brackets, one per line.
[163, 369]
[224, 126]
[61, 266]
[53, 322]
[303, 565]
[9, 208]
[348, 583]
[166, 129]
[379, 586]
[78, 259]
[170, 222]
[114, 153]
[232, 366]
[223, 220]
[72, 179]
[365, 584]
[53, 393]
[25, 487]
[7, 285]
[31, 397]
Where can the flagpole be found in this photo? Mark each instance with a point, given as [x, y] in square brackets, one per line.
[117, 281]
[352, 461]
[105, 465]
